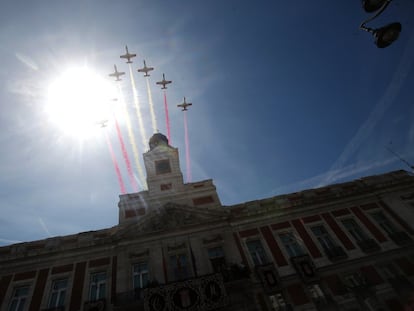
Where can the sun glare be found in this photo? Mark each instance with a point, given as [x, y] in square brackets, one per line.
[78, 101]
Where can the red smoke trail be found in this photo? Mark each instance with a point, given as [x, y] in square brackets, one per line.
[118, 172]
[126, 158]
[167, 118]
[187, 148]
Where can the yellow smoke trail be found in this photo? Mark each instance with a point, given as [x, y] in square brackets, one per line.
[131, 137]
[137, 108]
[151, 104]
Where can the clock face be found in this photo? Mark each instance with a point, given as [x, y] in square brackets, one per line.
[162, 167]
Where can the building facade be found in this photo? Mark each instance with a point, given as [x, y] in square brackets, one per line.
[346, 246]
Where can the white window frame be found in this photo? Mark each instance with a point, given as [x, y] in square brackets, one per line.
[386, 225]
[327, 234]
[60, 292]
[98, 285]
[289, 250]
[261, 260]
[140, 274]
[364, 235]
[20, 303]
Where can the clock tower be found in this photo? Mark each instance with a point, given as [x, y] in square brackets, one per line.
[165, 185]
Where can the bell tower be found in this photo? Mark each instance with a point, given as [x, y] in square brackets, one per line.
[162, 165]
[165, 185]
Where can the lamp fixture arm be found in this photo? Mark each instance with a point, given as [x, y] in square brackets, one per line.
[382, 9]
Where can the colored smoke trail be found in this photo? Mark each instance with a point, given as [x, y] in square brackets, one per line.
[126, 158]
[151, 105]
[137, 108]
[187, 148]
[167, 118]
[131, 137]
[118, 172]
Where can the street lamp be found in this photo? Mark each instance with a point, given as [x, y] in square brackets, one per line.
[385, 35]
[372, 5]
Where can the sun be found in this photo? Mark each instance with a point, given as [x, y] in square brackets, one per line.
[78, 101]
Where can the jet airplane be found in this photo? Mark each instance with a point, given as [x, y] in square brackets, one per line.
[103, 123]
[184, 105]
[163, 82]
[128, 55]
[145, 69]
[116, 74]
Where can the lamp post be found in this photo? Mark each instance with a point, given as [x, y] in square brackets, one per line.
[385, 35]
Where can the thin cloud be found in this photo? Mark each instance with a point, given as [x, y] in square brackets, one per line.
[385, 102]
[43, 225]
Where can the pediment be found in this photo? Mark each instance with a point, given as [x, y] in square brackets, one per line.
[174, 216]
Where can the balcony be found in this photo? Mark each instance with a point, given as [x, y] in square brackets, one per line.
[61, 308]
[129, 298]
[368, 246]
[96, 305]
[400, 238]
[335, 253]
[305, 267]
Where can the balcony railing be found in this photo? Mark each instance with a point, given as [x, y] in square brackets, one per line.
[129, 297]
[368, 245]
[335, 253]
[61, 308]
[400, 238]
[305, 267]
[95, 305]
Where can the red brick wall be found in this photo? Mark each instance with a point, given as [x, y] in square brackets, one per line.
[78, 283]
[24, 276]
[274, 247]
[99, 262]
[369, 224]
[243, 256]
[62, 269]
[313, 249]
[38, 290]
[249, 232]
[338, 231]
[281, 225]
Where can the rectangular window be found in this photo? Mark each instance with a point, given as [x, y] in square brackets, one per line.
[179, 266]
[140, 275]
[384, 222]
[291, 244]
[355, 230]
[257, 252]
[19, 298]
[97, 288]
[216, 256]
[323, 237]
[58, 293]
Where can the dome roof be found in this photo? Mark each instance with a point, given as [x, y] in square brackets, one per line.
[157, 139]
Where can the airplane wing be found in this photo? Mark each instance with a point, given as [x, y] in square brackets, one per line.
[160, 82]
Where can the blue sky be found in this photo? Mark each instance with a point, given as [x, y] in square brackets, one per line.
[286, 96]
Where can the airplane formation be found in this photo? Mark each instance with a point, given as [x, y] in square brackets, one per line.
[117, 74]
[163, 82]
[128, 56]
[145, 69]
[184, 105]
